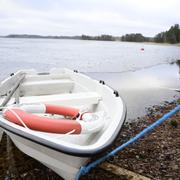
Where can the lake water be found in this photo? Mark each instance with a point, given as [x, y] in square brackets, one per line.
[143, 78]
[86, 56]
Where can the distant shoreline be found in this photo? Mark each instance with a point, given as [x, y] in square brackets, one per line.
[171, 36]
[82, 37]
[164, 44]
[26, 36]
[91, 38]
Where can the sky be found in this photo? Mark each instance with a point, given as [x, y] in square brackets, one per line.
[90, 17]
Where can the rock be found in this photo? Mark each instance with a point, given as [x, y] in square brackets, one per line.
[175, 167]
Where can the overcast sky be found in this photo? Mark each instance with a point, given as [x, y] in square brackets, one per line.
[93, 17]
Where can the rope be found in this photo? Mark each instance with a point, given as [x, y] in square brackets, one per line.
[61, 136]
[22, 122]
[18, 117]
[85, 169]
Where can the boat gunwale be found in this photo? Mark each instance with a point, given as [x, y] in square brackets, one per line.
[65, 149]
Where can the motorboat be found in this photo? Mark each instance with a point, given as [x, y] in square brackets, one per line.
[61, 118]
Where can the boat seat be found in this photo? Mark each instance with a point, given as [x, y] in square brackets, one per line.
[45, 87]
[35, 77]
[73, 99]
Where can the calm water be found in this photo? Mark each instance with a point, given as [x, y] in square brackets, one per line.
[143, 78]
[124, 66]
[86, 56]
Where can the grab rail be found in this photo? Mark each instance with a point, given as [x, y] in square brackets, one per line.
[8, 97]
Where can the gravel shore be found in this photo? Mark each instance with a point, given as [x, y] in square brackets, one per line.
[156, 155]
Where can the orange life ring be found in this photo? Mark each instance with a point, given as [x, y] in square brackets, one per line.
[86, 123]
[41, 123]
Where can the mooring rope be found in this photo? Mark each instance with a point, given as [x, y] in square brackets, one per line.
[85, 169]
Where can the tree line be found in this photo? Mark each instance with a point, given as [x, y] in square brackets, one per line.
[133, 37]
[102, 37]
[170, 36]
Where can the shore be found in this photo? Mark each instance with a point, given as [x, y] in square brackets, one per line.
[155, 156]
[163, 44]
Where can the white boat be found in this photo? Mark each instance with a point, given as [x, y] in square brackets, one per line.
[64, 153]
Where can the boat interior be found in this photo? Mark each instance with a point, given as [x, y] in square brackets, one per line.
[63, 88]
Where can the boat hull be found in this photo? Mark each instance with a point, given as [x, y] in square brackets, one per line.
[66, 166]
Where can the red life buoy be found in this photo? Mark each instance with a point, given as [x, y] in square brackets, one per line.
[23, 113]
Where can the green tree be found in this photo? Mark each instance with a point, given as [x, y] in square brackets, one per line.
[170, 36]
